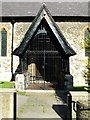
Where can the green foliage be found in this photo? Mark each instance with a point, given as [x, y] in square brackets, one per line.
[79, 88]
[87, 38]
[87, 73]
[87, 50]
[7, 85]
[21, 93]
[87, 88]
[21, 110]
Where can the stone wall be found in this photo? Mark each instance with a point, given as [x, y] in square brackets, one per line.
[83, 99]
[6, 105]
[83, 111]
[73, 32]
[80, 96]
[5, 62]
[19, 32]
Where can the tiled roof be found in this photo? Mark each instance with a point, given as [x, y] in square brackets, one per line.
[44, 14]
[56, 8]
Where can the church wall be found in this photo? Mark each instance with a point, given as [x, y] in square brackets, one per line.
[5, 61]
[73, 32]
[19, 31]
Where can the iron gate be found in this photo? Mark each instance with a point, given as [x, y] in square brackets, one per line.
[44, 60]
[44, 69]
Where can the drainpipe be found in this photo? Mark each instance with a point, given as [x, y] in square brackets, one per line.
[12, 22]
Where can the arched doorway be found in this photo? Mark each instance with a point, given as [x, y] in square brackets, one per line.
[44, 60]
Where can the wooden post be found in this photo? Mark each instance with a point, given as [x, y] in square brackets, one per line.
[69, 104]
[12, 22]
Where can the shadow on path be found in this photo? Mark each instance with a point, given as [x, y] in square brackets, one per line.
[61, 110]
[62, 95]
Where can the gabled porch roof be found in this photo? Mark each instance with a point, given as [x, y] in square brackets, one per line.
[44, 14]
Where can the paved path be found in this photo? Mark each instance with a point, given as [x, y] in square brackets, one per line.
[41, 105]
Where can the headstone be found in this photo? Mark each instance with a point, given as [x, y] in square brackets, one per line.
[20, 82]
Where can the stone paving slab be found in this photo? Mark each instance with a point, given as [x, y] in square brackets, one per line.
[39, 105]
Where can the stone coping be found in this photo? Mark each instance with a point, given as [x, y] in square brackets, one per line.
[43, 91]
[80, 93]
[54, 91]
[2, 90]
[8, 90]
[72, 92]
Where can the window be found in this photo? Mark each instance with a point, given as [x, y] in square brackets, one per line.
[87, 37]
[87, 41]
[3, 42]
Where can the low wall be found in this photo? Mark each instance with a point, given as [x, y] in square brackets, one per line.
[83, 108]
[83, 111]
[6, 104]
[82, 96]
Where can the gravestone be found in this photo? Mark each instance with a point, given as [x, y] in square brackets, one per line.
[20, 82]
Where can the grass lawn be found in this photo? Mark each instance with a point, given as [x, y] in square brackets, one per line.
[7, 85]
[81, 88]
